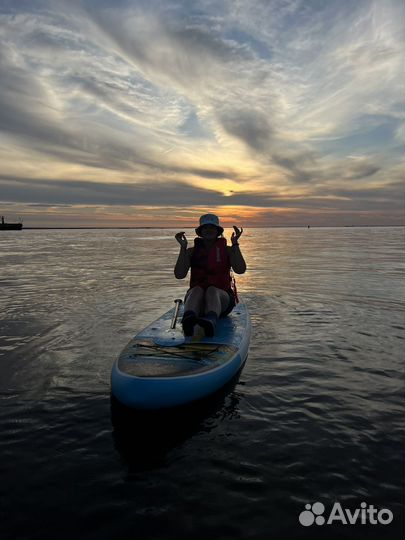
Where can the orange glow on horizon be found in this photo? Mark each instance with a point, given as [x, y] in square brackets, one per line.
[186, 218]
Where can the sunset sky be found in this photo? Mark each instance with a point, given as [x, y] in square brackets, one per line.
[150, 113]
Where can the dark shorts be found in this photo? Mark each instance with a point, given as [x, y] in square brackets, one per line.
[231, 304]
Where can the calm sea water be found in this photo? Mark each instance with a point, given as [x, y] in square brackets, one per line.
[316, 415]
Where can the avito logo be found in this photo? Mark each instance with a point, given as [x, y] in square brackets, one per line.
[313, 513]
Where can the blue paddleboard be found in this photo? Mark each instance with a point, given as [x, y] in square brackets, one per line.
[161, 368]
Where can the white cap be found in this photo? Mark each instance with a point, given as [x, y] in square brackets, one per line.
[209, 219]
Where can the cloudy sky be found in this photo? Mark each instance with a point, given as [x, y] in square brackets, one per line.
[133, 112]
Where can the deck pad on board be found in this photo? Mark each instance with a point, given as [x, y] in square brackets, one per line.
[144, 358]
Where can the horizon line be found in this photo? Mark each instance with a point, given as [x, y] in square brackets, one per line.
[190, 227]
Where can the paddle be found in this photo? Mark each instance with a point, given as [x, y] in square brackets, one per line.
[173, 337]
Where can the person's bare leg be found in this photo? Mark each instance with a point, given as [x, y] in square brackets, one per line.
[192, 309]
[194, 301]
[216, 300]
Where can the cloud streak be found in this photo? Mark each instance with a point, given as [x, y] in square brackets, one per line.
[168, 194]
[288, 101]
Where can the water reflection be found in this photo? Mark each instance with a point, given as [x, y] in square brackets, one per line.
[144, 438]
[321, 415]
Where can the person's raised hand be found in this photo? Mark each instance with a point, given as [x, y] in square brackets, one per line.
[236, 235]
[181, 239]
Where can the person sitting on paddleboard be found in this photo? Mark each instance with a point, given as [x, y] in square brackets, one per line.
[212, 293]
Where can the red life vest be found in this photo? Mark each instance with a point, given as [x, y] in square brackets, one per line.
[210, 267]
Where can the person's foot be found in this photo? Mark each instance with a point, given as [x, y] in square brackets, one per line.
[188, 322]
[208, 323]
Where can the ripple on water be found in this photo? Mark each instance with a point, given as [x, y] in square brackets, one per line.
[317, 413]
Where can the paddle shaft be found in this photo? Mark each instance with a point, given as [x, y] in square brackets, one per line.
[178, 302]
